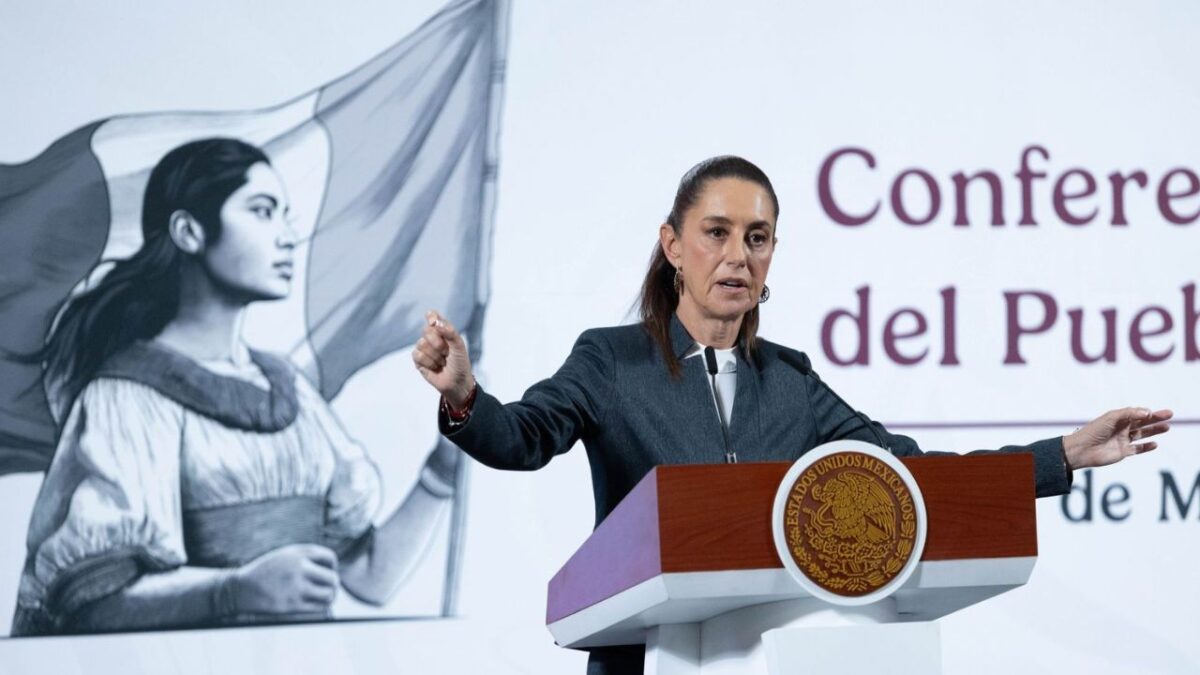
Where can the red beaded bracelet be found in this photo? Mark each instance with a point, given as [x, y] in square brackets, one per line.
[457, 415]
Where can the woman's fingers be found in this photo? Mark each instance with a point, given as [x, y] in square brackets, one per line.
[1143, 423]
[319, 575]
[1138, 416]
[317, 598]
[320, 555]
[318, 578]
[432, 341]
[1127, 416]
[442, 326]
[1156, 417]
[441, 357]
[437, 342]
[433, 348]
[1149, 430]
[424, 359]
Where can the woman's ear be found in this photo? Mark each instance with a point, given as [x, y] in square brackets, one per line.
[670, 244]
[186, 232]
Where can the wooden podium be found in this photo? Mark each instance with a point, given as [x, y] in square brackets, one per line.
[687, 565]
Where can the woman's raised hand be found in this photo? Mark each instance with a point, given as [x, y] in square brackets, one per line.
[290, 579]
[1115, 435]
[441, 356]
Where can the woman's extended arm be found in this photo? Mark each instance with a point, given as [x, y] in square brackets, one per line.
[373, 572]
[1105, 440]
[188, 596]
[525, 435]
[296, 579]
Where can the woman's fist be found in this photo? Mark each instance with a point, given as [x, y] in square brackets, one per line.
[441, 357]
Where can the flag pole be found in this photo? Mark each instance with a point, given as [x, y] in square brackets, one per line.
[474, 329]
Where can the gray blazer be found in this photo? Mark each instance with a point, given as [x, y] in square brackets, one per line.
[615, 394]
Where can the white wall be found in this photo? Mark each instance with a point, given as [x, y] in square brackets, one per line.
[606, 105]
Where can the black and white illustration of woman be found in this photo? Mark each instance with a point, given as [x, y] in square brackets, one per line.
[197, 481]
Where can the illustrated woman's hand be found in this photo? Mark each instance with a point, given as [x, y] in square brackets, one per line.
[441, 356]
[290, 579]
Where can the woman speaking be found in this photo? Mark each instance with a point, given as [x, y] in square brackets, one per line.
[692, 382]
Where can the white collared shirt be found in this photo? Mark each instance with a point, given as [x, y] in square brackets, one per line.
[726, 376]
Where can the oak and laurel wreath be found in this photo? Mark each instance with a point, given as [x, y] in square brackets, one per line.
[834, 553]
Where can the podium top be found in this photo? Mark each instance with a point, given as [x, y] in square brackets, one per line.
[717, 518]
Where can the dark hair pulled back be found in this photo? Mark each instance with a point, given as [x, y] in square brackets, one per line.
[140, 295]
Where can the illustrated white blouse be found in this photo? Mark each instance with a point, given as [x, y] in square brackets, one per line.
[139, 477]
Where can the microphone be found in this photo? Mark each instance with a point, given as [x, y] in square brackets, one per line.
[802, 364]
[710, 361]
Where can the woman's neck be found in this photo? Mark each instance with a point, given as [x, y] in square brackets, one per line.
[208, 324]
[708, 331]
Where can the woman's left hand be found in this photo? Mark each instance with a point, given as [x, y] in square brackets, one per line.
[1115, 435]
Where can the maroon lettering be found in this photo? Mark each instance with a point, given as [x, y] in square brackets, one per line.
[949, 335]
[935, 197]
[1191, 351]
[1061, 196]
[1166, 196]
[825, 189]
[892, 336]
[1026, 176]
[1109, 352]
[960, 196]
[1016, 330]
[860, 321]
[1138, 334]
[1117, 180]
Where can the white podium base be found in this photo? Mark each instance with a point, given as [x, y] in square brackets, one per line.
[794, 637]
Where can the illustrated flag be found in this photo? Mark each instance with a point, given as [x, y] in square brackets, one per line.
[390, 171]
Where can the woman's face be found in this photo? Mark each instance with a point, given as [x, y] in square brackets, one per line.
[252, 258]
[724, 248]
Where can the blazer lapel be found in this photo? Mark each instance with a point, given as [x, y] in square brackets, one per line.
[704, 443]
[744, 425]
[701, 440]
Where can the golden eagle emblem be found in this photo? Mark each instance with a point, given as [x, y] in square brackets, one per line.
[850, 523]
